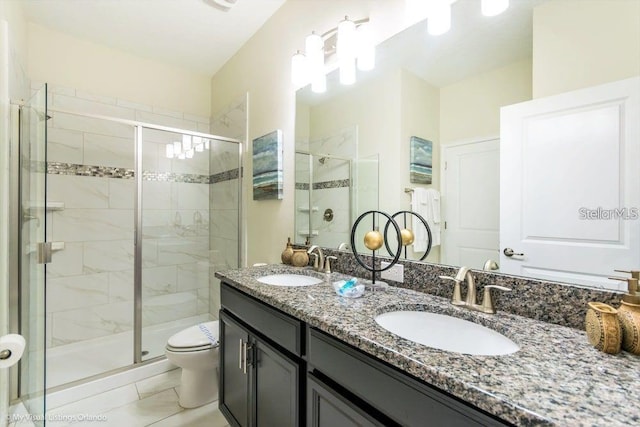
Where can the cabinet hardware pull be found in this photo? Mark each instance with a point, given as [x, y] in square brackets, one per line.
[240, 354]
[244, 351]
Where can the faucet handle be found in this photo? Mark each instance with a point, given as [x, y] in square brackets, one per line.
[456, 299]
[315, 260]
[327, 263]
[487, 301]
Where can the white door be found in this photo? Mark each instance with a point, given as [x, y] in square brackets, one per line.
[470, 202]
[565, 158]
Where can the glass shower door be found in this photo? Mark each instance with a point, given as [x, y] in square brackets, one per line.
[35, 253]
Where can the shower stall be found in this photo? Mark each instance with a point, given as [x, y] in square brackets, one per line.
[122, 223]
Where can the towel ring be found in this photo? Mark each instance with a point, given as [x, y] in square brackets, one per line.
[422, 220]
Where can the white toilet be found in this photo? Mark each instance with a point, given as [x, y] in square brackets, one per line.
[195, 350]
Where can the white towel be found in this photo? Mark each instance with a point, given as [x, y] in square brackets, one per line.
[426, 203]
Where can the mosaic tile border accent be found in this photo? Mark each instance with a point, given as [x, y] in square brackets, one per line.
[338, 183]
[58, 168]
[224, 176]
[550, 302]
[175, 177]
[324, 185]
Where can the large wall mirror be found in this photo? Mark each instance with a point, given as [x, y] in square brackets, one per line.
[352, 142]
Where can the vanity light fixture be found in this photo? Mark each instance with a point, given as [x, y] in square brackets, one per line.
[186, 143]
[169, 151]
[438, 12]
[439, 17]
[493, 7]
[198, 144]
[186, 148]
[348, 45]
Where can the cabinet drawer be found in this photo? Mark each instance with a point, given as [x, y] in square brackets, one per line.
[280, 328]
[327, 408]
[398, 396]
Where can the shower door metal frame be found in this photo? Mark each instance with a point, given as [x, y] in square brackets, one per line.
[138, 173]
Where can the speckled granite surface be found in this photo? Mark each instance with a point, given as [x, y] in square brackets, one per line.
[555, 378]
[551, 302]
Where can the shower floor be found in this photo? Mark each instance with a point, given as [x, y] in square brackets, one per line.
[76, 361]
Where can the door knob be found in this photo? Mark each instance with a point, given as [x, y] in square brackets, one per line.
[509, 252]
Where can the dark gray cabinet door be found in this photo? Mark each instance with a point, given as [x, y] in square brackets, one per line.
[277, 380]
[327, 408]
[234, 381]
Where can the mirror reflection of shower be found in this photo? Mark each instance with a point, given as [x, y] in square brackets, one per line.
[325, 184]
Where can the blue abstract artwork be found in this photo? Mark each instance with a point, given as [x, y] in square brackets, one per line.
[421, 160]
[267, 166]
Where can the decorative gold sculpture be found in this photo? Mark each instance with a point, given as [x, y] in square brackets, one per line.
[287, 253]
[629, 315]
[407, 237]
[603, 327]
[373, 240]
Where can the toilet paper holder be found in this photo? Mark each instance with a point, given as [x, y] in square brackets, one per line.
[12, 348]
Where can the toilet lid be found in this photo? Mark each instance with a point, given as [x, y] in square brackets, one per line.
[203, 335]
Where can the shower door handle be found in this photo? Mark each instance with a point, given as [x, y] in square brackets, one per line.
[44, 252]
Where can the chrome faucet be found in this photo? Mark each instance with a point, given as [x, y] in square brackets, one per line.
[318, 263]
[464, 275]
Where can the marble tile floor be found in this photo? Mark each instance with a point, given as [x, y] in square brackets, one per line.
[150, 402]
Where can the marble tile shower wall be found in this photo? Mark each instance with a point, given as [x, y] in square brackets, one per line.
[230, 122]
[90, 281]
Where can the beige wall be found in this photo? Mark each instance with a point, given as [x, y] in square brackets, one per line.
[420, 116]
[63, 60]
[263, 68]
[582, 43]
[471, 108]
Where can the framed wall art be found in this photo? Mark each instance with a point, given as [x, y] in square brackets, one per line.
[267, 166]
[420, 160]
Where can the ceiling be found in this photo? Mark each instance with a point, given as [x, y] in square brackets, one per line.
[192, 34]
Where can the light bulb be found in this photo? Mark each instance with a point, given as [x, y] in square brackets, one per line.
[366, 48]
[197, 144]
[313, 43]
[347, 39]
[493, 7]
[186, 143]
[299, 76]
[169, 151]
[348, 71]
[319, 83]
[439, 21]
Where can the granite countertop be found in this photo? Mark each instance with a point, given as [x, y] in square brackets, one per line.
[555, 378]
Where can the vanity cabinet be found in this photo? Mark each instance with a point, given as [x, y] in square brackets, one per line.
[259, 379]
[366, 384]
[277, 371]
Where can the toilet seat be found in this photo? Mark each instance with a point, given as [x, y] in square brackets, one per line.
[195, 338]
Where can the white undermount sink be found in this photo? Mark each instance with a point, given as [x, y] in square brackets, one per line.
[446, 333]
[289, 280]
